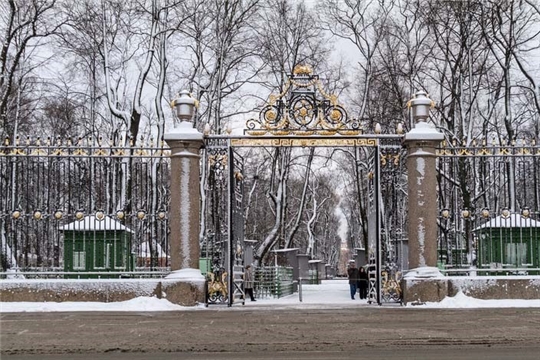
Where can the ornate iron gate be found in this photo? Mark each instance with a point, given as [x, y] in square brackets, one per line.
[290, 119]
[222, 233]
[393, 209]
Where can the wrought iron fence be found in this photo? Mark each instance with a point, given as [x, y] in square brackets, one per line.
[393, 184]
[489, 197]
[273, 281]
[84, 206]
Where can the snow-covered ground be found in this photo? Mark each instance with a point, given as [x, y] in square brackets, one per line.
[330, 294]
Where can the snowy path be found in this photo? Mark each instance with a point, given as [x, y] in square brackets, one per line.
[331, 294]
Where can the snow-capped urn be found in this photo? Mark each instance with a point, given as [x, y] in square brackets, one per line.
[184, 106]
[421, 104]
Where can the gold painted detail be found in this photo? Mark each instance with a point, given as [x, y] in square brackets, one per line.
[38, 152]
[302, 70]
[100, 152]
[218, 159]
[217, 287]
[271, 116]
[482, 149]
[80, 152]
[390, 288]
[485, 151]
[308, 142]
[304, 106]
[390, 159]
[80, 147]
[17, 152]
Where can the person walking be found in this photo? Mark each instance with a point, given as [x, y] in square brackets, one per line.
[248, 282]
[363, 282]
[352, 272]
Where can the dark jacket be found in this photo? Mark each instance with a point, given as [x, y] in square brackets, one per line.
[363, 277]
[352, 272]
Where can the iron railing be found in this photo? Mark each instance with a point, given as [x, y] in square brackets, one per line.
[84, 206]
[273, 281]
[489, 208]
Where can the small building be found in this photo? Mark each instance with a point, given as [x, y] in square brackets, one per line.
[508, 242]
[97, 245]
[147, 253]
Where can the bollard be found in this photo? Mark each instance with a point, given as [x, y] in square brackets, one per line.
[300, 289]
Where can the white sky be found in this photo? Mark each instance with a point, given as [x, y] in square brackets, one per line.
[331, 294]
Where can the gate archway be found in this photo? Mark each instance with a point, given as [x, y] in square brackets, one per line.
[303, 115]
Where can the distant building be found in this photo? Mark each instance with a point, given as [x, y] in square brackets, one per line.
[144, 255]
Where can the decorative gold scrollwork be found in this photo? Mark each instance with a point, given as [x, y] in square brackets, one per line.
[298, 109]
[390, 288]
[217, 287]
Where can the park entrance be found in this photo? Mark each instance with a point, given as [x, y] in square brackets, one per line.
[300, 120]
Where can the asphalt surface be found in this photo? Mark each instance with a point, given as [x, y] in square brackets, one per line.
[240, 333]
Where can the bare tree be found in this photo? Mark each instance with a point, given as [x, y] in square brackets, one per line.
[25, 23]
[219, 39]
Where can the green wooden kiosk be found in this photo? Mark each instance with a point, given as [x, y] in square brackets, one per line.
[509, 242]
[96, 244]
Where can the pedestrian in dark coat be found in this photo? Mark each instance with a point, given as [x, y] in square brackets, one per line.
[248, 282]
[363, 282]
[352, 272]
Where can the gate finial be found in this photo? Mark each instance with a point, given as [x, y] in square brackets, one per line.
[302, 70]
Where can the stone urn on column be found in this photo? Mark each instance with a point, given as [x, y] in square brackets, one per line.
[185, 283]
[423, 282]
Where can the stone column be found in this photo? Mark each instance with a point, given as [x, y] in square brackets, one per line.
[422, 187]
[423, 281]
[185, 143]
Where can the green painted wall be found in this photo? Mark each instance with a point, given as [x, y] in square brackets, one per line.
[511, 247]
[86, 251]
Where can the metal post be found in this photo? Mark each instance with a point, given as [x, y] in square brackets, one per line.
[230, 253]
[377, 195]
[300, 289]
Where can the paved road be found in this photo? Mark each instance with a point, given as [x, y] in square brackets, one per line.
[224, 333]
[436, 352]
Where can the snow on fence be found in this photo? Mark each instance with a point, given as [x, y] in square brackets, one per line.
[84, 206]
[489, 208]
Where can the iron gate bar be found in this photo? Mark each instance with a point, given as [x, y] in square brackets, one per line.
[366, 140]
[378, 222]
[230, 220]
[363, 140]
